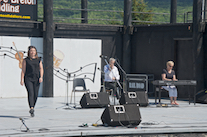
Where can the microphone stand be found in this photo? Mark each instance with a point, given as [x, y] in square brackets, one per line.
[125, 75]
[24, 125]
[68, 78]
[103, 86]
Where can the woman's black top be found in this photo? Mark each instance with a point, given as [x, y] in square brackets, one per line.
[168, 75]
[32, 68]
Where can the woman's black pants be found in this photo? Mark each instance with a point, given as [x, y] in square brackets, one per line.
[32, 90]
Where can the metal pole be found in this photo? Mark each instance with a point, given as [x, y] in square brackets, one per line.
[184, 17]
[173, 12]
[126, 36]
[205, 10]
[84, 13]
[48, 48]
[197, 16]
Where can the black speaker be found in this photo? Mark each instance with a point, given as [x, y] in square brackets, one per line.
[138, 97]
[94, 100]
[121, 115]
[201, 96]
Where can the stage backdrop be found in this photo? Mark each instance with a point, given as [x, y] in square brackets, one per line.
[73, 55]
[69, 54]
[10, 67]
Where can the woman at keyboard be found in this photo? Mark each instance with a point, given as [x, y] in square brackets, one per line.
[168, 74]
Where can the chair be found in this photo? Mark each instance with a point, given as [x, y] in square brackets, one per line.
[109, 91]
[78, 82]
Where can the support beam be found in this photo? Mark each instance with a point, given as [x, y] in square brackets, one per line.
[173, 11]
[205, 10]
[197, 43]
[127, 36]
[48, 34]
[84, 13]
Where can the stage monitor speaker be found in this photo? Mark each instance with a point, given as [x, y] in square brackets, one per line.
[201, 96]
[94, 100]
[138, 97]
[121, 115]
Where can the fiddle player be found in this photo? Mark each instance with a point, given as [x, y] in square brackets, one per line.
[111, 75]
[168, 74]
[32, 76]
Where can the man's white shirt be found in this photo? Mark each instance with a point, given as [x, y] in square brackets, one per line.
[110, 74]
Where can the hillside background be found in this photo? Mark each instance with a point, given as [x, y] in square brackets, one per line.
[156, 6]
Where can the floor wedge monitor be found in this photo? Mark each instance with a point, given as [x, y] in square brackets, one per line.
[94, 100]
[138, 97]
[201, 96]
[121, 115]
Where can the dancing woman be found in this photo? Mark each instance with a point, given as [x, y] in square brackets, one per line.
[32, 76]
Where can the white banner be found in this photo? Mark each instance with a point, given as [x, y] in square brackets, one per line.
[69, 54]
[73, 55]
[10, 70]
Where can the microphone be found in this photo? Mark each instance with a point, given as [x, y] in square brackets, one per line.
[102, 56]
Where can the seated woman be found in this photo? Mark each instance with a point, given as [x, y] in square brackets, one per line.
[169, 75]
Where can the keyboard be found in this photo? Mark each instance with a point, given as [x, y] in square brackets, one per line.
[174, 83]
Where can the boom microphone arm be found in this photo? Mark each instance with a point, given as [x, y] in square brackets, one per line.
[125, 75]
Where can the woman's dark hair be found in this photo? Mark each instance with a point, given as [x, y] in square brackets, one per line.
[30, 47]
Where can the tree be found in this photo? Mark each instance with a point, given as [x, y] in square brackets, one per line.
[140, 6]
[137, 6]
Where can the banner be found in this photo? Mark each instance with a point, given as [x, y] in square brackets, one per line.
[70, 55]
[80, 56]
[18, 9]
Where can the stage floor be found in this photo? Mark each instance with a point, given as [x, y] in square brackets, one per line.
[49, 121]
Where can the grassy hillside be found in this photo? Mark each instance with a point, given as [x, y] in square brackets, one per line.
[158, 6]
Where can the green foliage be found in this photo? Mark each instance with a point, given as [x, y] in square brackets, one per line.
[155, 6]
[163, 6]
[140, 6]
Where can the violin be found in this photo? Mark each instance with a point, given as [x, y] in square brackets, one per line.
[19, 56]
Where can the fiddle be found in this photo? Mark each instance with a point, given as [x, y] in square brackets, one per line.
[19, 56]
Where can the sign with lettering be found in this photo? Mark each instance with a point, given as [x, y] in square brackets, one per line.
[18, 9]
[136, 85]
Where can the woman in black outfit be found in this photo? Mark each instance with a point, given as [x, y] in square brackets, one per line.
[32, 76]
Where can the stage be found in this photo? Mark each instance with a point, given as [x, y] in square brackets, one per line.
[49, 121]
